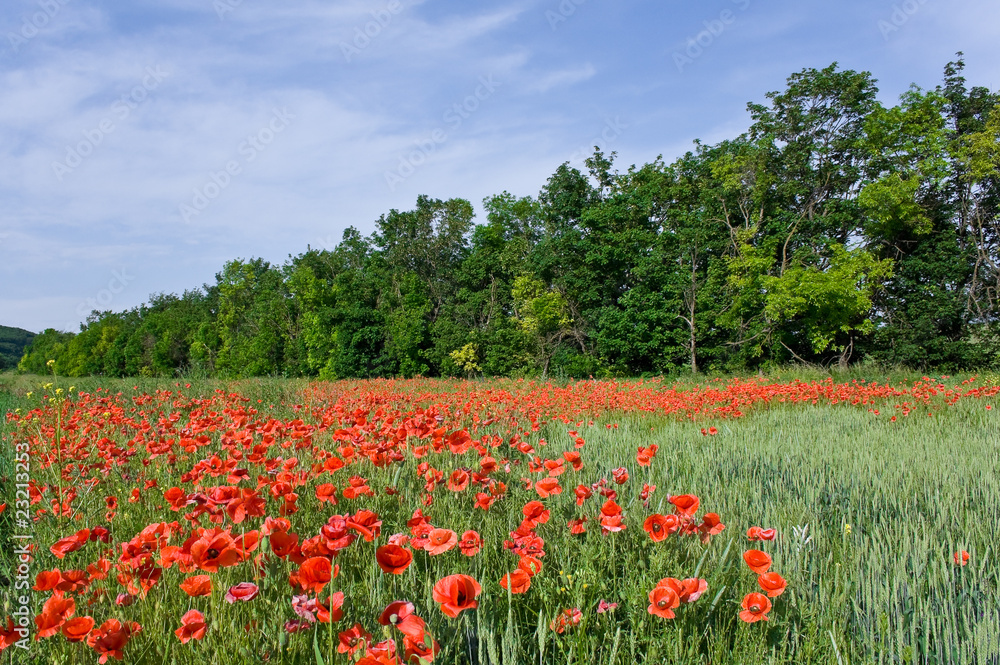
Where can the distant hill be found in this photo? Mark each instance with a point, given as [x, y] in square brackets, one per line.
[12, 343]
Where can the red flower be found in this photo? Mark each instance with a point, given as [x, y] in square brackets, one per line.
[772, 584]
[393, 559]
[77, 630]
[518, 581]
[662, 601]
[458, 481]
[69, 544]
[243, 591]
[711, 525]
[759, 562]
[192, 627]
[111, 637]
[471, 543]
[961, 558]
[755, 608]
[659, 527]
[566, 619]
[620, 475]
[758, 533]
[315, 573]
[352, 640]
[440, 541]
[456, 593]
[400, 614]
[199, 585]
[326, 493]
[535, 512]
[685, 504]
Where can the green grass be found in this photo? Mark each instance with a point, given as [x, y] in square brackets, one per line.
[869, 513]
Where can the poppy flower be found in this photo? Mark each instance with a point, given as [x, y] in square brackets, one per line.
[56, 611]
[711, 525]
[685, 504]
[531, 565]
[548, 486]
[961, 558]
[213, 550]
[620, 475]
[283, 544]
[111, 637]
[77, 630]
[326, 493]
[604, 606]
[456, 593]
[582, 494]
[535, 512]
[192, 627]
[471, 543]
[315, 573]
[517, 582]
[366, 523]
[755, 608]
[440, 541]
[458, 481]
[662, 601]
[658, 527]
[69, 544]
[353, 639]
[400, 614]
[421, 651]
[772, 584]
[577, 525]
[9, 635]
[759, 533]
[566, 619]
[47, 580]
[332, 613]
[244, 591]
[393, 559]
[199, 585]
[759, 562]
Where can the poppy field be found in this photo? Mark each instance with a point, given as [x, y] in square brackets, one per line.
[506, 521]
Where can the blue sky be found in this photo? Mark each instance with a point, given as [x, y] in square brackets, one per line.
[145, 143]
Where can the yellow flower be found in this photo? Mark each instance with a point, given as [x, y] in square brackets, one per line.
[847, 529]
[58, 391]
[30, 393]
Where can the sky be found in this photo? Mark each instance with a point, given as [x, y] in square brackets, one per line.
[145, 143]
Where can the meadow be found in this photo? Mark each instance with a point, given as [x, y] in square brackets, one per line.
[757, 520]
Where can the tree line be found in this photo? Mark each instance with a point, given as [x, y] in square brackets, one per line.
[835, 230]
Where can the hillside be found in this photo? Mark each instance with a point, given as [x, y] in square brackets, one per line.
[12, 343]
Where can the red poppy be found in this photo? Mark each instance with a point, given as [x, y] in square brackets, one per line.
[471, 543]
[352, 640]
[458, 481]
[213, 550]
[685, 504]
[420, 651]
[400, 614]
[658, 527]
[755, 608]
[393, 559]
[326, 493]
[961, 558]
[244, 591]
[325, 614]
[47, 580]
[548, 486]
[111, 637]
[366, 523]
[582, 494]
[758, 533]
[535, 512]
[530, 564]
[566, 619]
[199, 585]
[518, 581]
[315, 573]
[70, 544]
[759, 562]
[77, 630]
[711, 525]
[577, 525]
[662, 601]
[772, 584]
[56, 611]
[440, 541]
[192, 627]
[456, 593]
[620, 475]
